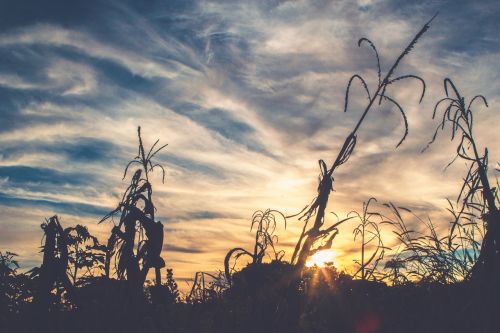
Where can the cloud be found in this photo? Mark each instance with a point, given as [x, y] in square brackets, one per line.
[174, 248]
[74, 208]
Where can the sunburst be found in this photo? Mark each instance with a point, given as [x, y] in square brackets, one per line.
[321, 259]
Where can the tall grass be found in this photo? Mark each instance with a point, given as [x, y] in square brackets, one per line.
[53, 271]
[424, 254]
[86, 256]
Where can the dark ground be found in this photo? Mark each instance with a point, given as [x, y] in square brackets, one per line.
[264, 298]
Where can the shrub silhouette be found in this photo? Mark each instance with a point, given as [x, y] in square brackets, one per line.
[84, 253]
[424, 255]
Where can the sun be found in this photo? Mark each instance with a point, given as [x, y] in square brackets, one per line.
[321, 258]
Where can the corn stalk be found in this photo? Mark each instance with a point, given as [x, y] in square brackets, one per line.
[265, 222]
[55, 263]
[137, 221]
[207, 286]
[309, 238]
[476, 195]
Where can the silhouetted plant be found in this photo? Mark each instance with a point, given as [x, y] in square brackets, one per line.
[53, 271]
[309, 238]
[8, 271]
[172, 285]
[16, 289]
[84, 253]
[476, 194]
[207, 287]
[166, 294]
[369, 232]
[465, 237]
[427, 256]
[265, 222]
[137, 218]
[8, 265]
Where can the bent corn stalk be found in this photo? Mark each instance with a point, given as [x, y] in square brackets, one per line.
[309, 238]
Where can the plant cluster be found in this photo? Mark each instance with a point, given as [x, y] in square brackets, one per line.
[430, 273]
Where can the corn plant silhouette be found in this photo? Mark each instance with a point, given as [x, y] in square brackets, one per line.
[137, 218]
[53, 271]
[309, 238]
[207, 286]
[476, 194]
[369, 232]
[265, 222]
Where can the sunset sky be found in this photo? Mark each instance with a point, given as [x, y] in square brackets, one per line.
[248, 95]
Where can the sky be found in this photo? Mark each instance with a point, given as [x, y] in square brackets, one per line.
[248, 95]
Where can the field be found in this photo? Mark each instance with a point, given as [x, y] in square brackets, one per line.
[418, 280]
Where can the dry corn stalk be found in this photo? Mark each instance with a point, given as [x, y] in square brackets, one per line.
[476, 194]
[308, 241]
[137, 222]
[53, 270]
[265, 222]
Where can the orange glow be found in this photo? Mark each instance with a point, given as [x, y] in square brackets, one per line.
[321, 258]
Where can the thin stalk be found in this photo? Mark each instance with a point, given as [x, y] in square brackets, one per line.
[319, 204]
